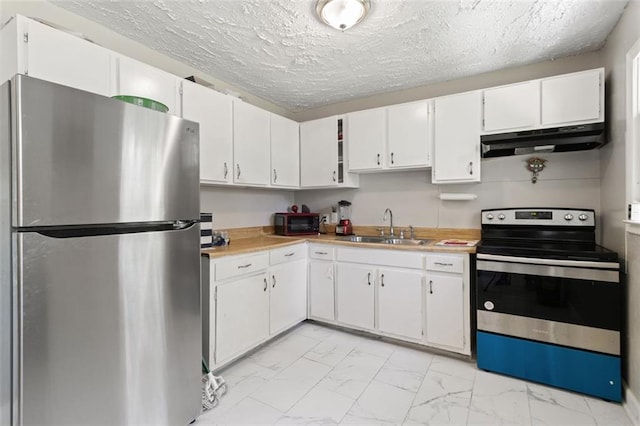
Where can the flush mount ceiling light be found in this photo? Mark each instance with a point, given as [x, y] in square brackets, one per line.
[342, 14]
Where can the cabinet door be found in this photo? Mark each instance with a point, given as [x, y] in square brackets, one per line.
[355, 286]
[62, 58]
[285, 152]
[457, 124]
[573, 98]
[213, 111]
[400, 303]
[242, 311]
[321, 296]
[409, 135]
[512, 107]
[288, 295]
[138, 79]
[445, 310]
[251, 138]
[319, 152]
[365, 139]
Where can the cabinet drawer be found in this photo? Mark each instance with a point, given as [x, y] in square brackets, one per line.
[398, 258]
[445, 263]
[244, 265]
[286, 254]
[321, 252]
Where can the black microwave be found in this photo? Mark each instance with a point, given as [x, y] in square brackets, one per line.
[296, 223]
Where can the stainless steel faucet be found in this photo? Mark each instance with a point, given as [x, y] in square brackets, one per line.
[388, 210]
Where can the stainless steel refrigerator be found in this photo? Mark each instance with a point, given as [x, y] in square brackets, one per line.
[100, 260]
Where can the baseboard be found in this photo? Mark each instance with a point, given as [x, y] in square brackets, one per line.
[631, 405]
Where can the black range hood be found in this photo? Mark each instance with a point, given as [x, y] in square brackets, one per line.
[559, 139]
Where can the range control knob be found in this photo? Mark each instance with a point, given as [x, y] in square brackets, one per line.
[501, 216]
[583, 217]
[489, 216]
[568, 217]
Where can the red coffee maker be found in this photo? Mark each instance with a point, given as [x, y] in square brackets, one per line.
[344, 226]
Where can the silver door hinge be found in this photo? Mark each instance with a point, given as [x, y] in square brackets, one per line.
[25, 37]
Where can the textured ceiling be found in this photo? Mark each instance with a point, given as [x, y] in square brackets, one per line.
[278, 50]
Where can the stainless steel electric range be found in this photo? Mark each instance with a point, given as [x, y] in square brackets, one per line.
[548, 300]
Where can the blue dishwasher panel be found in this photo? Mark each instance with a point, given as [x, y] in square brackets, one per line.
[574, 369]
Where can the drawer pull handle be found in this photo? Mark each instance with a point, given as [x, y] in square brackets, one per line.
[369, 278]
[333, 176]
[289, 254]
[471, 167]
[274, 281]
[443, 264]
[226, 171]
[430, 286]
[244, 266]
[323, 253]
[392, 162]
[265, 285]
[382, 280]
[378, 159]
[238, 167]
[275, 176]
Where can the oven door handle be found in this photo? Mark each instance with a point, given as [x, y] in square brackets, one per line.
[550, 262]
[584, 274]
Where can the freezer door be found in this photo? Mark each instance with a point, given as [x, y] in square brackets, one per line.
[81, 158]
[111, 330]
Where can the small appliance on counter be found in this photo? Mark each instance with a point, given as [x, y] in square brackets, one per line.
[291, 224]
[344, 226]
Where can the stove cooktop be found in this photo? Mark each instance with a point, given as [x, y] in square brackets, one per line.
[547, 250]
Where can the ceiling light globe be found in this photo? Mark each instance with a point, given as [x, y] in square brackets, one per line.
[342, 14]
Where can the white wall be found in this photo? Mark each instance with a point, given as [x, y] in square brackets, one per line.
[569, 180]
[243, 207]
[626, 33]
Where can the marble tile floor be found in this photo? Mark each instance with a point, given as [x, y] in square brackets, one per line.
[322, 376]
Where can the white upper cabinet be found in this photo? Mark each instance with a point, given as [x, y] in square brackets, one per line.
[285, 152]
[409, 135]
[251, 139]
[319, 152]
[457, 122]
[512, 107]
[392, 138]
[563, 100]
[37, 50]
[573, 98]
[366, 139]
[213, 111]
[135, 78]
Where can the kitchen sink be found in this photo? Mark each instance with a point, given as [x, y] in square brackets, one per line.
[405, 242]
[363, 239]
[383, 240]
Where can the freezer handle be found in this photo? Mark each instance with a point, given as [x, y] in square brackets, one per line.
[76, 231]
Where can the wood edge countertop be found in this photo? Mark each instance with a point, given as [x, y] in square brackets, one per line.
[249, 240]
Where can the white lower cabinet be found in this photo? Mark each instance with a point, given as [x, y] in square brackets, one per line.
[242, 308]
[256, 296]
[400, 303]
[355, 295]
[448, 304]
[321, 294]
[445, 310]
[288, 295]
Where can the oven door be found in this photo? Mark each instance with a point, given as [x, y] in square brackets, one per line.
[565, 302]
